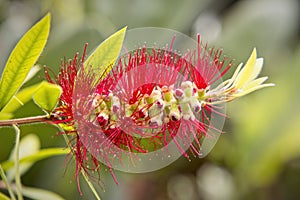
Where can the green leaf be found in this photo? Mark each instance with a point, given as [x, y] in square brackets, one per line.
[4, 115]
[22, 58]
[101, 61]
[40, 155]
[35, 193]
[40, 194]
[47, 96]
[3, 197]
[33, 71]
[22, 97]
[29, 145]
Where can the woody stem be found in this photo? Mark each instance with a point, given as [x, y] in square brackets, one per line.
[25, 120]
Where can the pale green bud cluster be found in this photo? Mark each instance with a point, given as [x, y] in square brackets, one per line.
[163, 105]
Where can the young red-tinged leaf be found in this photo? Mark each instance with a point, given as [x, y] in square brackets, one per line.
[22, 58]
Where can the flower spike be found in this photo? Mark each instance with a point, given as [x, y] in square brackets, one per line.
[152, 98]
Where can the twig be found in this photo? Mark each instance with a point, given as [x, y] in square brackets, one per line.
[5, 181]
[25, 120]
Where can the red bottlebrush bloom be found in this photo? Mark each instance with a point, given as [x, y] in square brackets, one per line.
[151, 97]
[151, 93]
[152, 100]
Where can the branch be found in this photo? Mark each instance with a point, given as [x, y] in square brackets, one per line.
[25, 120]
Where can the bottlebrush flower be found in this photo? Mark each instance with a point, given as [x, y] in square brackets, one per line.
[152, 97]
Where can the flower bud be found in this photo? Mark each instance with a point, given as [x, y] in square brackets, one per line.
[178, 93]
[195, 104]
[102, 118]
[187, 87]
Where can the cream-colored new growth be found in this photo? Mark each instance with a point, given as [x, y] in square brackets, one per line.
[243, 81]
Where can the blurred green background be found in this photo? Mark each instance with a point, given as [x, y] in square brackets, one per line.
[258, 156]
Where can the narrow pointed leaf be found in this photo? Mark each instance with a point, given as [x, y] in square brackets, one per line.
[257, 68]
[255, 83]
[101, 61]
[22, 58]
[3, 197]
[40, 194]
[4, 115]
[247, 70]
[47, 96]
[22, 97]
[40, 155]
[33, 71]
